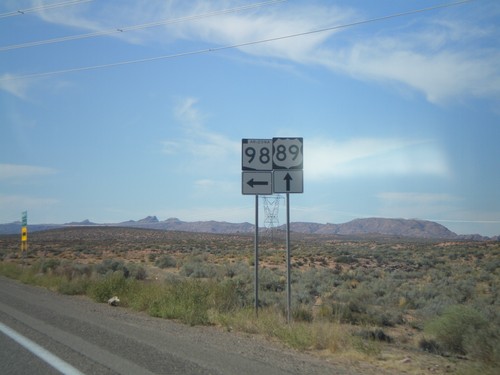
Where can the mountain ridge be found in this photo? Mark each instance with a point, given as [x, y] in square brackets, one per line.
[408, 228]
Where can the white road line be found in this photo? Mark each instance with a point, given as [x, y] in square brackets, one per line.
[40, 352]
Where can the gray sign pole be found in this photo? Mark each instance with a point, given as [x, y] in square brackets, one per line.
[256, 261]
[288, 261]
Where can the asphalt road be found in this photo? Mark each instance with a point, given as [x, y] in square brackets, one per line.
[99, 339]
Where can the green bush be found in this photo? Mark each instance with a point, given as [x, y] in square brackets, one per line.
[109, 266]
[75, 286]
[186, 301]
[166, 261]
[113, 284]
[455, 327]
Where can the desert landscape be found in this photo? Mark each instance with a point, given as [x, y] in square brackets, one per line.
[405, 305]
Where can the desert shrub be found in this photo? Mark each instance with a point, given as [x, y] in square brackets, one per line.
[457, 325]
[236, 269]
[198, 270]
[271, 281]
[136, 271]
[166, 261]
[347, 259]
[484, 344]
[10, 270]
[186, 301]
[109, 266]
[227, 296]
[74, 286]
[49, 265]
[108, 286]
[302, 313]
[430, 346]
[375, 335]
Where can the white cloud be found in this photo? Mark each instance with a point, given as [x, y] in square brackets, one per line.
[11, 206]
[416, 198]
[210, 148]
[440, 76]
[416, 205]
[440, 57]
[373, 156]
[15, 171]
[16, 87]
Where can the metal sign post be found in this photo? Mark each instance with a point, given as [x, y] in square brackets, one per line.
[288, 263]
[256, 179]
[288, 178]
[256, 254]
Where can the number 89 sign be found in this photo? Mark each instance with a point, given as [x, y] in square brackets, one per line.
[287, 153]
[256, 155]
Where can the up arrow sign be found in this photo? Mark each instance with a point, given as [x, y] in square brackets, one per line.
[288, 181]
[288, 178]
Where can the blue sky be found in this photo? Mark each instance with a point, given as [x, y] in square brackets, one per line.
[400, 117]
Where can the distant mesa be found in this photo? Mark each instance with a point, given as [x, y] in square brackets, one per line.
[84, 222]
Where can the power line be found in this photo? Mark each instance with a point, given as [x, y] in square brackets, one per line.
[139, 27]
[20, 12]
[232, 46]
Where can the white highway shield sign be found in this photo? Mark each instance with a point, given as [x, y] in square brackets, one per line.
[288, 153]
[257, 183]
[287, 181]
[256, 154]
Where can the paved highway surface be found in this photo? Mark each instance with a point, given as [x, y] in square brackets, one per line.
[42, 332]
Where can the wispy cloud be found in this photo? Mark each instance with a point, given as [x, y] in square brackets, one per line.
[12, 205]
[441, 58]
[207, 148]
[16, 171]
[417, 205]
[373, 157]
[16, 87]
[441, 76]
[416, 198]
[444, 59]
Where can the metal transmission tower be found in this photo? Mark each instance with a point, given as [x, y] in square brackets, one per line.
[271, 210]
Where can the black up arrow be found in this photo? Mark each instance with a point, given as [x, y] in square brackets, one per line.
[288, 178]
[253, 183]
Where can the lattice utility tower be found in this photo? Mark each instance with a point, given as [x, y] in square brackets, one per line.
[271, 210]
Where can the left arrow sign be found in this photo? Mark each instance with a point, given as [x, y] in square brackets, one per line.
[253, 183]
[257, 183]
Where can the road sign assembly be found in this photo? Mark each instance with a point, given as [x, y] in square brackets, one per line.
[272, 166]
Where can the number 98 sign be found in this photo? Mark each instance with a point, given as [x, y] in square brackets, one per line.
[257, 155]
[288, 153]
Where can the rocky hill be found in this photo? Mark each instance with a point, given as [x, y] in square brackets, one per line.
[380, 226]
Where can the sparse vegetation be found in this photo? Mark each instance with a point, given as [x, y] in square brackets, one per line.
[357, 298]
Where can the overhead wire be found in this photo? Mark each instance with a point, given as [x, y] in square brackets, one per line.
[232, 46]
[118, 30]
[21, 12]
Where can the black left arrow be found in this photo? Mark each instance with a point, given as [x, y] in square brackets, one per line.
[253, 183]
[288, 178]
